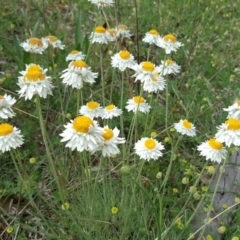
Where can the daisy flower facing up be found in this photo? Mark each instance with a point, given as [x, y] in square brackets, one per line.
[75, 55]
[138, 104]
[233, 110]
[111, 35]
[152, 37]
[122, 60]
[34, 45]
[34, 81]
[77, 73]
[92, 109]
[213, 150]
[54, 42]
[82, 133]
[148, 148]
[102, 3]
[169, 67]
[10, 137]
[6, 103]
[169, 43]
[111, 111]
[123, 32]
[109, 145]
[229, 132]
[145, 71]
[156, 83]
[99, 35]
[185, 128]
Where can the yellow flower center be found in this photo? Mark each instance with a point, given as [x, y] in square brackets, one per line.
[148, 66]
[100, 29]
[1, 97]
[215, 144]
[112, 32]
[187, 124]
[5, 129]
[107, 134]
[170, 38]
[122, 27]
[124, 54]
[169, 62]
[52, 38]
[35, 41]
[233, 124]
[138, 99]
[74, 52]
[92, 105]
[110, 107]
[34, 73]
[82, 123]
[79, 64]
[150, 143]
[154, 32]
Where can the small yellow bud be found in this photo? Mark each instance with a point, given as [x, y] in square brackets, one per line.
[32, 160]
[9, 229]
[65, 206]
[222, 229]
[159, 175]
[153, 134]
[185, 180]
[211, 170]
[114, 210]
[175, 190]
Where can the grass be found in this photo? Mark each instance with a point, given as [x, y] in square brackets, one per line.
[152, 198]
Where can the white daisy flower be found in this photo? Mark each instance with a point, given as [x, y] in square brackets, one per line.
[148, 148]
[111, 111]
[77, 73]
[6, 103]
[185, 128]
[138, 104]
[102, 3]
[82, 133]
[169, 43]
[152, 37]
[169, 67]
[92, 109]
[10, 137]
[213, 150]
[34, 81]
[122, 60]
[75, 55]
[233, 110]
[54, 42]
[109, 145]
[145, 71]
[99, 35]
[34, 45]
[111, 35]
[229, 132]
[156, 83]
[123, 32]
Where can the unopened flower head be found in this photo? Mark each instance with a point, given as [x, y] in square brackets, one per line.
[138, 104]
[169, 43]
[233, 110]
[114, 210]
[169, 67]
[102, 3]
[77, 73]
[213, 150]
[152, 37]
[229, 132]
[156, 83]
[34, 81]
[99, 35]
[92, 109]
[82, 133]
[185, 128]
[123, 60]
[34, 45]
[111, 34]
[75, 55]
[10, 137]
[123, 32]
[148, 148]
[111, 111]
[54, 42]
[6, 102]
[110, 141]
